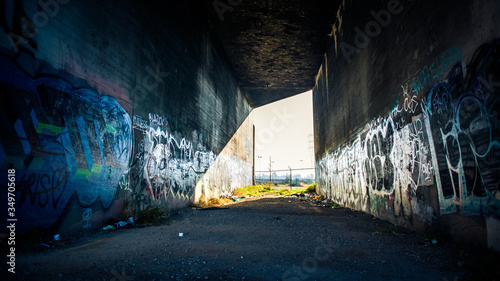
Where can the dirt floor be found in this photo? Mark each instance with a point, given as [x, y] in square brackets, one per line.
[265, 239]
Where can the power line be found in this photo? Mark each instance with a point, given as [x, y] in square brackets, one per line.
[285, 170]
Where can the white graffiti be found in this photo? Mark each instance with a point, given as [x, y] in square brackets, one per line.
[465, 134]
[124, 182]
[381, 161]
[164, 165]
[453, 144]
[167, 164]
[157, 119]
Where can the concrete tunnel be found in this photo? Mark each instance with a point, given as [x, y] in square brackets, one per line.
[110, 104]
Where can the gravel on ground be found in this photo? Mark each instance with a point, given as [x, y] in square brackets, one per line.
[266, 238]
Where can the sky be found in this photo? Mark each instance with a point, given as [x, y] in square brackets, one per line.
[284, 131]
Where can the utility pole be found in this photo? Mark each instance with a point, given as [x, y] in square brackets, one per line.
[260, 171]
[270, 169]
[253, 154]
[290, 177]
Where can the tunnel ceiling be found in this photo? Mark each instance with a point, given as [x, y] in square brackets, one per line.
[274, 46]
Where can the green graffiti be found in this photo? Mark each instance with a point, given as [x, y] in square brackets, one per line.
[95, 171]
[110, 128]
[48, 129]
[82, 174]
[377, 201]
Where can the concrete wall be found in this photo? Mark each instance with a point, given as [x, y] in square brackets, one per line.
[233, 167]
[110, 102]
[406, 115]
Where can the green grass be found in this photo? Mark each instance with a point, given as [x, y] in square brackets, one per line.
[249, 190]
[286, 192]
[257, 190]
[311, 188]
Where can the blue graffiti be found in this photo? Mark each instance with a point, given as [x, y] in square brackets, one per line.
[448, 58]
[62, 141]
[462, 112]
[437, 69]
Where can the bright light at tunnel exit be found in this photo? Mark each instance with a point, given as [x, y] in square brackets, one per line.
[284, 136]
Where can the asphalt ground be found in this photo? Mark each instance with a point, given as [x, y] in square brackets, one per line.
[267, 238]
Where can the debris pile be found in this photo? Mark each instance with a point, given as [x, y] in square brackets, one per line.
[120, 224]
[315, 199]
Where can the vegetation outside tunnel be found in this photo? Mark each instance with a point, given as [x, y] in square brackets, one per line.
[257, 190]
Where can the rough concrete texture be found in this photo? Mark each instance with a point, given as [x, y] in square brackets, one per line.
[275, 47]
[406, 115]
[270, 238]
[111, 104]
[232, 168]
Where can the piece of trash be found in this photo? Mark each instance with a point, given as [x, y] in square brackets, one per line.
[121, 224]
[181, 234]
[277, 218]
[43, 244]
[56, 237]
[109, 227]
[434, 241]
[131, 219]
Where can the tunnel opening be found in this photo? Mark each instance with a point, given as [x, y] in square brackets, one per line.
[284, 144]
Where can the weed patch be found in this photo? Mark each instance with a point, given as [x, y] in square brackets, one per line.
[152, 214]
[257, 190]
[311, 188]
[211, 202]
[249, 190]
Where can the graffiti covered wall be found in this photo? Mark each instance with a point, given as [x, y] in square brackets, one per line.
[420, 147]
[112, 105]
[61, 141]
[233, 167]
